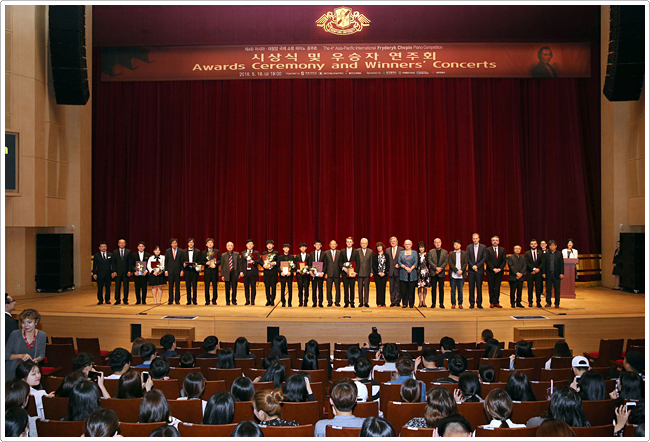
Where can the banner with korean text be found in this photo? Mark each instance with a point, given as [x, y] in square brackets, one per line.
[496, 60]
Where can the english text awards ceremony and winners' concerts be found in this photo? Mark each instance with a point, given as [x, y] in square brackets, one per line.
[301, 220]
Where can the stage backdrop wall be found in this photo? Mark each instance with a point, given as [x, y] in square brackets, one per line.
[295, 160]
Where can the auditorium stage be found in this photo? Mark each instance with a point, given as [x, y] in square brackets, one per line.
[595, 313]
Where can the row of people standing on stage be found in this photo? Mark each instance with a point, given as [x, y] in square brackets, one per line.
[404, 268]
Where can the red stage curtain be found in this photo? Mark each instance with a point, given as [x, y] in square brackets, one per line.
[296, 160]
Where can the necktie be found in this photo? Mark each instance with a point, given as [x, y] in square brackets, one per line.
[496, 252]
[393, 252]
[333, 253]
[104, 255]
[122, 253]
[230, 262]
[534, 255]
[174, 252]
[475, 253]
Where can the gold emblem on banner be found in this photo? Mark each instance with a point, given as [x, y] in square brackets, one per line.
[342, 21]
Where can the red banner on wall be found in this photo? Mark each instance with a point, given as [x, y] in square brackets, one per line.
[346, 61]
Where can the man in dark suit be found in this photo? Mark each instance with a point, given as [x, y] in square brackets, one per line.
[543, 69]
[230, 269]
[122, 257]
[476, 255]
[192, 255]
[437, 259]
[333, 271]
[10, 323]
[270, 265]
[140, 275]
[496, 262]
[103, 272]
[317, 285]
[365, 269]
[516, 272]
[250, 260]
[302, 278]
[174, 259]
[534, 268]
[286, 274]
[211, 258]
[349, 275]
[393, 272]
[553, 273]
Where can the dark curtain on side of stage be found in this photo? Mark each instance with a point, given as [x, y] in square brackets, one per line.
[297, 160]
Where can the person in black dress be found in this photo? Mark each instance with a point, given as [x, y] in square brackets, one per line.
[157, 279]
[616, 263]
[380, 273]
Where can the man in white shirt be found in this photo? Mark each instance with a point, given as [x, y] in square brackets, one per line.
[140, 276]
[353, 354]
[349, 274]
[193, 255]
[390, 353]
[120, 362]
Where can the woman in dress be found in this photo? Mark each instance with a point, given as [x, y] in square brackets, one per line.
[380, 273]
[157, 279]
[616, 264]
[424, 276]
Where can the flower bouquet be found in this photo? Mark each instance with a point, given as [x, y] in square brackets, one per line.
[269, 260]
[140, 268]
[159, 269]
[288, 267]
[303, 269]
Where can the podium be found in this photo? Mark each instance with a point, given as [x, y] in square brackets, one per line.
[568, 285]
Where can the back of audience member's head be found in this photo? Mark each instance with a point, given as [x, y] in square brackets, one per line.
[362, 368]
[220, 409]
[187, 360]
[519, 388]
[147, 351]
[561, 349]
[566, 405]
[167, 341]
[487, 334]
[247, 429]
[165, 431]
[16, 422]
[469, 385]
[279, 346]
[68, 383]
[374, 339]
[344, 395]
[447, 343]
[637, 415]
[311, 346]
[137, 345]
[210, 343]
[554, 428]
[498, 406]
[309, 362]
[353, 353]
[592, 386]
[269, 401]
[404, 366]
[154, 408]
[390, 352]
[119, 358]
[226, 359]
[194, 386]
[276, 373]
[524, 350]
[295, 389]
[84, 399]
[377, 427]
[430, 355]
[130, 385]
[269, 360]
[102, 423]
[492, 349]
[454, 426]
[242, 348]
[16, 393]
[159, 368]
[242, 389]
[640, 430]
[411, 391]
[635, 361]
[487, 372]
[440, 404]
[632, 386]
[82, 362]
[457, 365]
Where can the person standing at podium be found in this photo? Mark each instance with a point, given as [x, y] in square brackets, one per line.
[571, 253]
[553, 273]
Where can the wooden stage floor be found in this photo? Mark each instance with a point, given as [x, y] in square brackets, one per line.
[595, 313]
